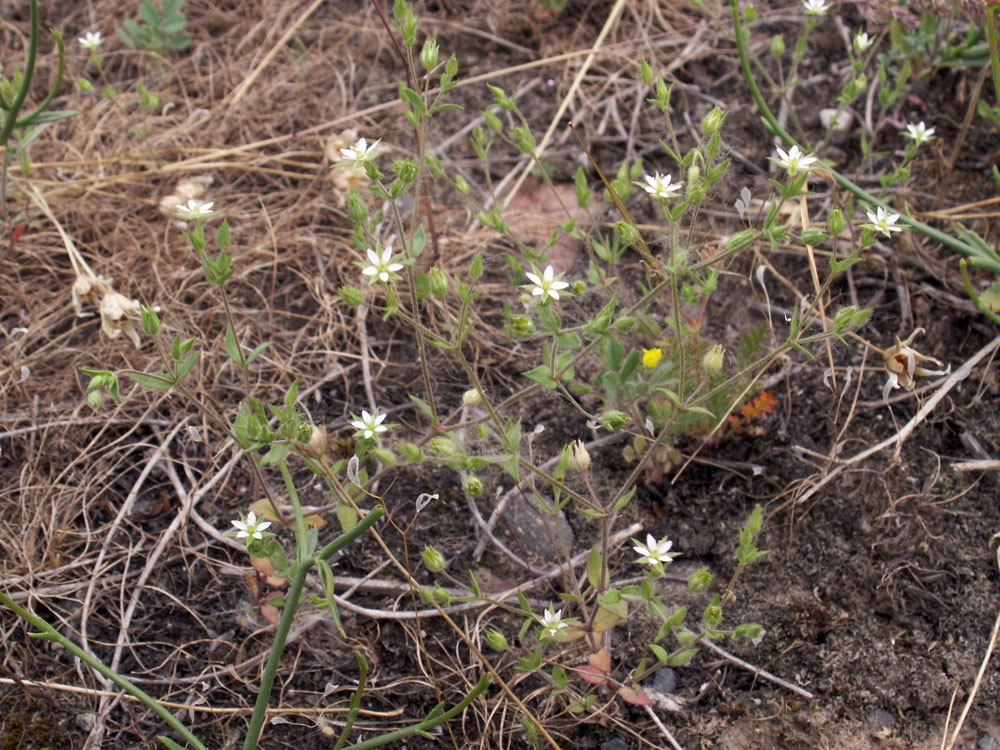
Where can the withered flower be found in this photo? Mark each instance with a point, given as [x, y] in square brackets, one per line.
[902, 362]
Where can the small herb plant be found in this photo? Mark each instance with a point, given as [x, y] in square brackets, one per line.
[161, 30]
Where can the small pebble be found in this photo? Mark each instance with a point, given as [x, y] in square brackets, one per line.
[881, 720]
[615, 744]
[843, 122]
[988, 743]
[665, 680]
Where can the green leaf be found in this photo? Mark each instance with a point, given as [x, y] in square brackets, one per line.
[541, 375]
[423, 406]
[568, 340]
[233, 348]
[660, 652]
[187, 365]
[159, 381]
[257, 352]
[595, 567]
[277, 452]
[681, 658]
[169, 743]
[222, 236]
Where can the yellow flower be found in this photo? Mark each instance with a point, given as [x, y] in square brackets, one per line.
[651, 357]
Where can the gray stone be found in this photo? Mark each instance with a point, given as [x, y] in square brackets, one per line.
[538, 536]
[665, 680]
[615, 744]
[988, 743]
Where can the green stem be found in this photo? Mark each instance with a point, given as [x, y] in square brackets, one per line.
[301, 550]
[775, 126]
[428, 723]
[285, 624]
[29, 71]
[991, 35]
[49, 633]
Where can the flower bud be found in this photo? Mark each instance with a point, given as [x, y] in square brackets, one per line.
[579, 459]
[713, 359]
[614, 420]
[495, 640]
[433, 559]
[836, 222]
[351, 295]
[713, 121]
[356, 207]
[473, 486]
[315, 448]
[778, 46]
[437, 282]
[429, 54]
[443, 447]
[700, 580]
[750, 14]
[578, 287]
[628, 234]
[522, 325]
[471, 398]
[813, 236]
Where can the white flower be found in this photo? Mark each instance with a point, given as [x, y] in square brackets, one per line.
[547, 286]
[815, 7]
[360, 152]
[794, 161]
[118, 316]
[369, 425]
[195, 209]
[250, 527]
[382, 268]
[920, 133]
[654, 552]
[91, 41]
[862, 42]
[659, 186]
[552, 623]
[883, 221]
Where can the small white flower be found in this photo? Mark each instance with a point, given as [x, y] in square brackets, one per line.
[862, 42]
[815, 7]
[659, 186]
[794, 161]
[547, 285]
[382, 268]
[360, 152]
[250, 527]
[195, 209]
[369, 425]
[919, 133]
[91, 41]
[654, 552]
[552, 623]
[884, 222]
[903, 363]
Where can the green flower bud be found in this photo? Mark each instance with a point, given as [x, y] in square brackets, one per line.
[614, 420]
[700, 580]
[495, 640]
[356, 207]
[426, 595]
[85, 85]
[471, 398]
[433, 559]
[443, 447]
[351, 295]
[94, 399]
[473, 486]
[645, 72]
[406, 169]
[437, 282]
[492, 121]
[750, 14]
[429, 54]
[578, 287]
[713, 360]
[625, 324]
[713, 121]
[778, 46]
[813, 236]
[522, 325]
[441, 595]
[628, 234]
